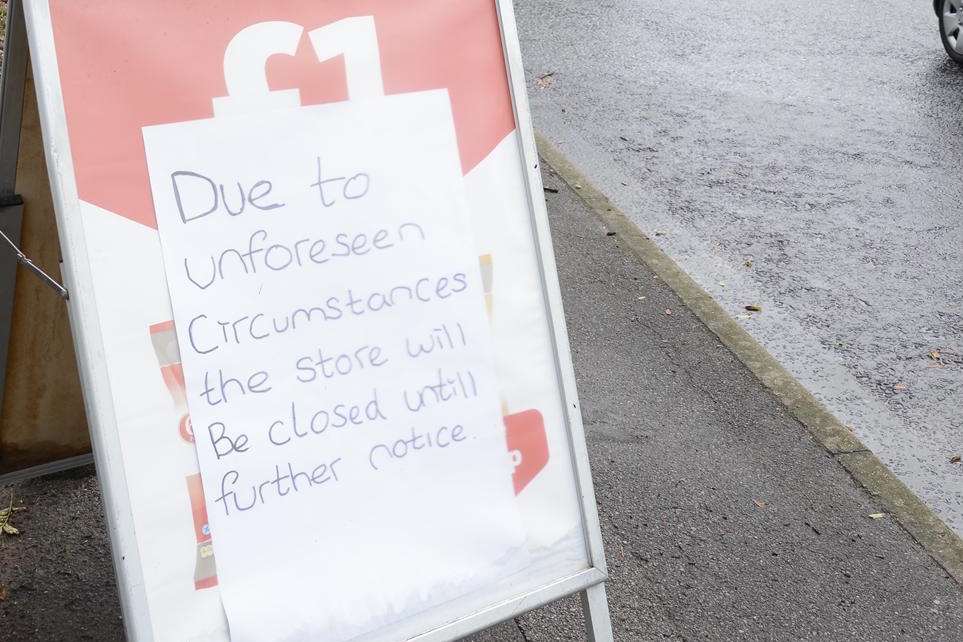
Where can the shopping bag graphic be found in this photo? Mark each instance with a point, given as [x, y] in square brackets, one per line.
[205, 570]
[169, 359]
[525, 433]
[528, 446]
[303, 246]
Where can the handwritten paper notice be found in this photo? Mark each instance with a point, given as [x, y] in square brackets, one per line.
[337, 359]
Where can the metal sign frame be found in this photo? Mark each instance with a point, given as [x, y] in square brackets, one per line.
[95, 380]
[12, 87]
[11, 205]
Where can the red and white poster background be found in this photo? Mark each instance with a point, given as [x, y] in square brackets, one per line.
[126, 66]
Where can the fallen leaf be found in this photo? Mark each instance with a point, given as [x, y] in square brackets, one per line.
[545, 80]
[4, 592]
[759, 503]
[935, 355]
[877, 515]
[900, 386]
[955, 459]
[754, 308]
[6, 528]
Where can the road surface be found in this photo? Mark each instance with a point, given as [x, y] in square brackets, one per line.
[800, 157]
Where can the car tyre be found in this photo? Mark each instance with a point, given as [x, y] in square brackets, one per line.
[950, 15]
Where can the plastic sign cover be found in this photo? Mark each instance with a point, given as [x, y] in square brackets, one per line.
[330, 359]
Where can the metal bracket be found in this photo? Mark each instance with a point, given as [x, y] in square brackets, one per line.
[23, 260]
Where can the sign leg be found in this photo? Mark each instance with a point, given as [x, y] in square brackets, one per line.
[11, 206]
[598, 624]
[10, 220]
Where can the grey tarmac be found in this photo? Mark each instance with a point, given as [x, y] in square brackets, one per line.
[799, 157]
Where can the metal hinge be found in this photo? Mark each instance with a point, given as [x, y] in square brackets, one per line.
[30, 265]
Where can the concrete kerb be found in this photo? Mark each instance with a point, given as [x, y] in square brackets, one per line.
[936, 538]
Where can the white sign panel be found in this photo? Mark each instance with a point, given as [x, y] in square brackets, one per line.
[318, 321]
[337, 357]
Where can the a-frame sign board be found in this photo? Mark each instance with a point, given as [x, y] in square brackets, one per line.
[42, 423]
[317, 317]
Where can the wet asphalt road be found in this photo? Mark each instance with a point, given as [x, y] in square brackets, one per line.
[803, 157]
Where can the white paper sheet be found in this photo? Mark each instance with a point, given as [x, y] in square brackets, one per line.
[337, 357]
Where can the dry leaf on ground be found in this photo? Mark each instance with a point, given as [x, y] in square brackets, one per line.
[545, 80]
[6, 528]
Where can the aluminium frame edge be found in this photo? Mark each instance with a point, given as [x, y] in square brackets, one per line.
[85, 325]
